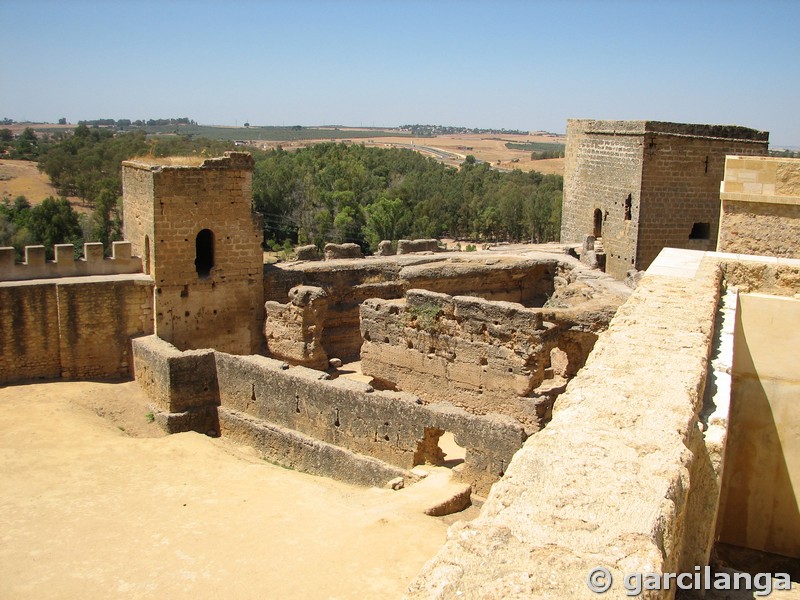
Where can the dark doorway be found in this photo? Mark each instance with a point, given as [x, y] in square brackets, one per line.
[598, 223]
[204, 253]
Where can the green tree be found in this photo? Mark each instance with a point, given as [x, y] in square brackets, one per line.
[54, 222]
[387, 219]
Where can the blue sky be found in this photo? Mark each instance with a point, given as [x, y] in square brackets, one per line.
[513, 64]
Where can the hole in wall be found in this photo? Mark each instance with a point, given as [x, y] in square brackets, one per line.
[700, 231]
[439, 447]
[628, 207]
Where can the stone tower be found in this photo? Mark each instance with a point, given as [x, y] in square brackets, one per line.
[191, 222]
[645, 185]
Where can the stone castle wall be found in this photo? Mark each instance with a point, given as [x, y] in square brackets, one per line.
[680, 191]
[645, 185]
[75, 328]
[602, 167]
[169, 208]
[93, 262]
[299, 418]
[761, 207]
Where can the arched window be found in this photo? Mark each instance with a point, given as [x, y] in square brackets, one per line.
[204, 252]
[147, 254]
[598, 223]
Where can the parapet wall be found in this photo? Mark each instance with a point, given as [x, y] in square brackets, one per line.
[297, 417]
[607, 483]
[75, 328]
[65, 265]
[760, 207]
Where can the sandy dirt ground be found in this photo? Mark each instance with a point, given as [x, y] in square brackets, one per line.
[488, 148]
[22, 178]
[97, 503]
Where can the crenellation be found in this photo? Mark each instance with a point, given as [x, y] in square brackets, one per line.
[66, 265]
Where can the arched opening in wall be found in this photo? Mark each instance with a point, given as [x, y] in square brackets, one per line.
[700, 231]
[598, 223]
[439, 447]
[147, 255]
[204, 252]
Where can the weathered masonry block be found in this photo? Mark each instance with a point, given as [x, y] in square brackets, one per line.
[760, 207]
[182, 385]
[642, 186]
[480, 355]
[65, 265]
[191, 222]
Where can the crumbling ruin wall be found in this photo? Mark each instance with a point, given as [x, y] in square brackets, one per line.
[299, 418]
[410, 246]
[761, 207]
[607, 483]
[388, 426]
[294, 330]
[348, 284]
[338, 251]
[480, 355]
[75, 328]
[182, 385]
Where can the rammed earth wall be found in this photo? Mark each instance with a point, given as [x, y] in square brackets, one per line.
[76, 328]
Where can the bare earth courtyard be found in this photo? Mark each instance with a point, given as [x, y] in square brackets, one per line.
[87, 510]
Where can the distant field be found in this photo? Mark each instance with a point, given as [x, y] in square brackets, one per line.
[536, 146]
[22, 178]
[504, 152]
[264, 134]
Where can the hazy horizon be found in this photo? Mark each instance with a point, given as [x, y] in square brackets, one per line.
[505, 65]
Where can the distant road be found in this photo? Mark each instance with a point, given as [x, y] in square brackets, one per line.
[437, 153]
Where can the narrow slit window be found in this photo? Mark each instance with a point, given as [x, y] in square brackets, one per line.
[204, 253]
[628, 207]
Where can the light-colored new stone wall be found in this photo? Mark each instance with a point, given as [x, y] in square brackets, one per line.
[762, 472]
[760, 207]
[167, 204]
[75, 328]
